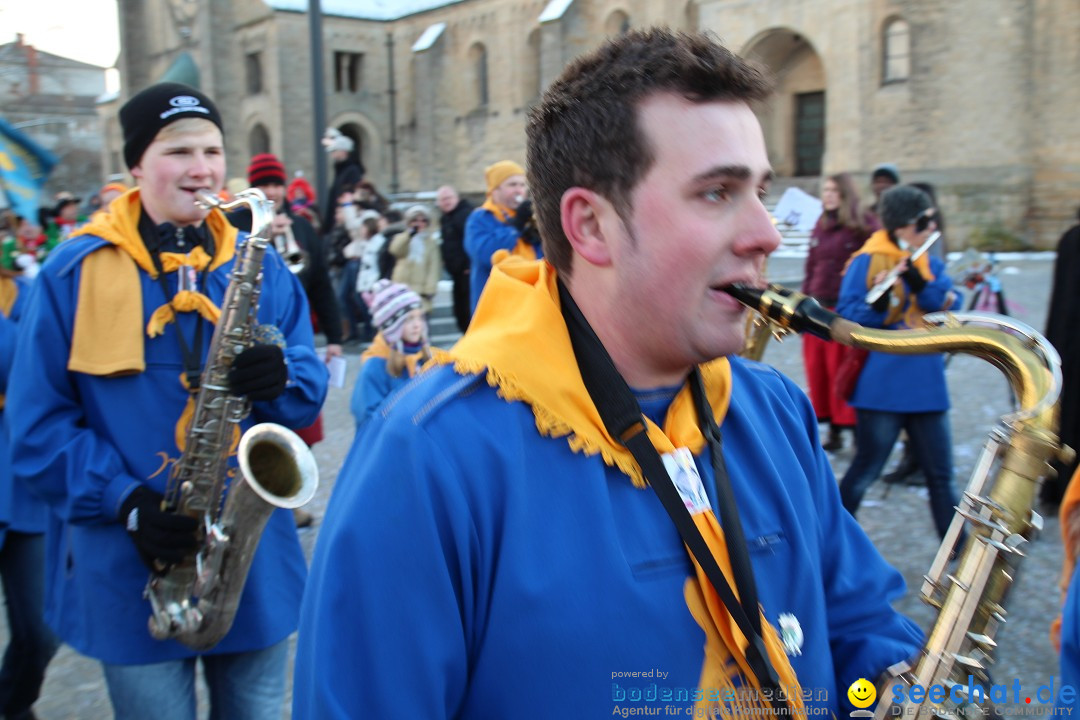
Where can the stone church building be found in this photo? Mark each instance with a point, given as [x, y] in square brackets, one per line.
[977, 97]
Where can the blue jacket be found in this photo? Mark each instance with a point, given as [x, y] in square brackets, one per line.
[920, 378]
[372, 387]
[484, 235]
[19, 510]
[488, 572]
[86, 441]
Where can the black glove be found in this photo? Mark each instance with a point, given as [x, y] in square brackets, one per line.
[882, 303]
[914, 279]
[161, 538]
[259, 373]
[523, 214]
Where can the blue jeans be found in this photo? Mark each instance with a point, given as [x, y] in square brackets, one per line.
[243, 686]
[32, 645]
[931, 441]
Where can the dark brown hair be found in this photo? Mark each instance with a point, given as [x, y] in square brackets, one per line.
[585, 132]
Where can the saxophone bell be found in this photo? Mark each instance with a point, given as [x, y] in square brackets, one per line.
[967, 583]
[195, 601]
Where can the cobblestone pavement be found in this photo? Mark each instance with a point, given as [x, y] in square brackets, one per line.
[898, 521]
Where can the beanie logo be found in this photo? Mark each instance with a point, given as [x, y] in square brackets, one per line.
[184, 103]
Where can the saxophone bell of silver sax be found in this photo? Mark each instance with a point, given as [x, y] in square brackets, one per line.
[969, 578]
[195, 601]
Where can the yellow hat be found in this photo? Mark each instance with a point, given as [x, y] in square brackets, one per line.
[497, 174]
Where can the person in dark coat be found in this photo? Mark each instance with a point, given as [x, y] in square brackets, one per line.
[302, 249]
[1061, 324]
[348, 171]
[455, 211]
[299, 245]
[841, 230]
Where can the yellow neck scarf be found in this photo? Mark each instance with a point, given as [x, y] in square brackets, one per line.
[523, 249]
[379, 348]
[885, 255]
[106, 338]
[517, 338]
[9, 291]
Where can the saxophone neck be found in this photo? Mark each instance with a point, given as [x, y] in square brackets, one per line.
[262, 210]
[1028, 360]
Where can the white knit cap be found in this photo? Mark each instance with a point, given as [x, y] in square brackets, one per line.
[334, 140]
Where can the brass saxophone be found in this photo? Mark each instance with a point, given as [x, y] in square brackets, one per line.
[997, 504]
[195, 601]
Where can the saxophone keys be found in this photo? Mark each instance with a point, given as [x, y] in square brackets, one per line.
[985, 642]
[779, 333]
[1036, 522]
[970, 663]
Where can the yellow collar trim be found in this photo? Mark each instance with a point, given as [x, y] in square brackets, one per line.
[519, 341]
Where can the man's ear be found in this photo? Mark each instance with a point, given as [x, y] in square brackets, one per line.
[582, 212]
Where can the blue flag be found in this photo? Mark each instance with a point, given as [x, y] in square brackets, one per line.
[24, 166]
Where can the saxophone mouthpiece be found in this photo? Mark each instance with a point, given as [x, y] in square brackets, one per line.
[747, 295]
[206, 199]
[789, 309]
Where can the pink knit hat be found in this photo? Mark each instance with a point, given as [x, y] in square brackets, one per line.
[390, 304]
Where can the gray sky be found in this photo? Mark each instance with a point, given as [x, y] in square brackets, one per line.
[83, 30]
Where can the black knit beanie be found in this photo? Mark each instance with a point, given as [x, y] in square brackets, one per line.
[901, 205]
[144, 115]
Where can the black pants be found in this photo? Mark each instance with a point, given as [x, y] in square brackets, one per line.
[462, 312]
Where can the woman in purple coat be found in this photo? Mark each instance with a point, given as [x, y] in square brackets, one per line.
[841, 230]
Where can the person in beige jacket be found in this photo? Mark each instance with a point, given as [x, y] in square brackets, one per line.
[419, 264]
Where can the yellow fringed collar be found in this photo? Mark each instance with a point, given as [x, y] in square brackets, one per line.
[518, 339]
[119, 225]
[379, 348]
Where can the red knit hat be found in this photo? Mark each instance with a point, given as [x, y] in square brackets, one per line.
[300, 185]
[266, 169]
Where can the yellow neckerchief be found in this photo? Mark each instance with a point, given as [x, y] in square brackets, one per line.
[523, 249]
[9, 292]
[885, 254]
[120, 226]
[1069, 514]
[518, 339]
[379, 348]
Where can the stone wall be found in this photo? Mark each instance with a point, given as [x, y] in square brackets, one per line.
[985, 114]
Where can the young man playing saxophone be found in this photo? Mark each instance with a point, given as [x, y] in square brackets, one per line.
[495, 550]
[114, 336]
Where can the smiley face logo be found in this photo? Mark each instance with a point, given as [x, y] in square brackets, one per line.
[862, 693]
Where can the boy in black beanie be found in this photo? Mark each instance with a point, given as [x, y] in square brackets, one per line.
[117, 342]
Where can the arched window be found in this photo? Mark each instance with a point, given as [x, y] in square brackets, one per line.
[896, 51]
[478, 64]
[618, 23]
[259, 140]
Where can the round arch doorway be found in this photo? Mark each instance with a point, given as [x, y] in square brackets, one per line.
[794, 122]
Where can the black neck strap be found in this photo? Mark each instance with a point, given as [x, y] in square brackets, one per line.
[622, 417]
[191, 354]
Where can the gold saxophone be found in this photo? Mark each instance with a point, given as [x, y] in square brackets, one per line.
[997, 504]
[195, 601]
